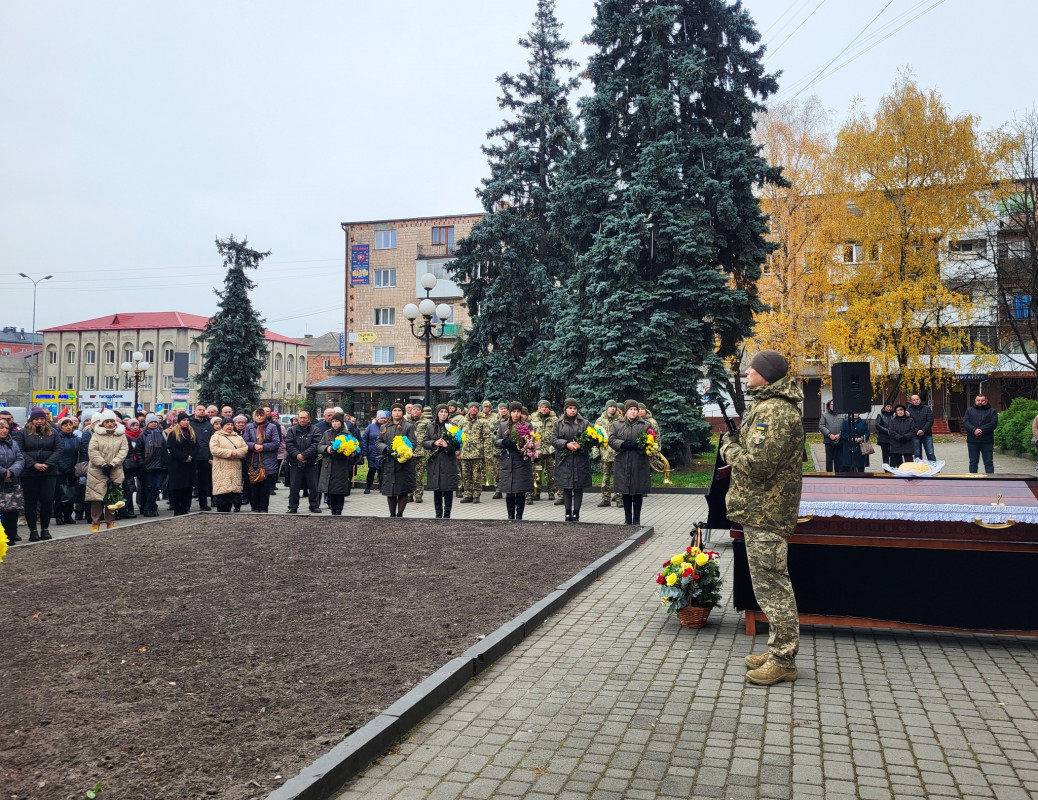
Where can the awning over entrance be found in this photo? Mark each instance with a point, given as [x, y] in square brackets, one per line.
[374, 382]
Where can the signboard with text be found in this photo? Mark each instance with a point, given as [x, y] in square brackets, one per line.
[360, 264]
[111, 399]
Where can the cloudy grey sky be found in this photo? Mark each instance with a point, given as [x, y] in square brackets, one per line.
[134, 133]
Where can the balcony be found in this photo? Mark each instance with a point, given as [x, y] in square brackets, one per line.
[435, 251]
[451, 329]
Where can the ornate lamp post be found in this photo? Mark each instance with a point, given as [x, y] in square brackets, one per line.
[427, 330]
[134, 372]
[32, 344]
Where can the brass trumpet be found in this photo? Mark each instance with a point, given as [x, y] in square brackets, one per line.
[659, 463]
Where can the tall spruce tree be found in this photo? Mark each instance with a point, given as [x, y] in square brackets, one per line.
[237, 349]
[658, 209]
[508, 266]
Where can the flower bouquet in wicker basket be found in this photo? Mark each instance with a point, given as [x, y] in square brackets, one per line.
[689, 585]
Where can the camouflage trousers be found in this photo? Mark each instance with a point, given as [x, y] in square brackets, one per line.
[543, 477]
[607, 480]
[493, 468]
[766, 552]
[419, 476]
[473, 474]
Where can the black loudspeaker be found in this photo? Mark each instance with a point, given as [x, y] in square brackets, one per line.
[852, 388]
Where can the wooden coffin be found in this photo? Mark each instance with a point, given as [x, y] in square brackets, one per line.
[949, 552]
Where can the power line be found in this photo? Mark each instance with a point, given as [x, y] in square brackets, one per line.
[798, 27]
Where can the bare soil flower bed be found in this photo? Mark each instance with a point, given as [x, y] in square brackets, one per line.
[215, 656]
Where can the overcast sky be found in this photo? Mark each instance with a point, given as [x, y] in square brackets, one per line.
[132, 134]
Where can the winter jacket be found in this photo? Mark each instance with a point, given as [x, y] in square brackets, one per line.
[271, 443]
[902, 434]
[40, 448]
[69, 453]
[397, 478]
[767, 460]
[336, 475]
[183, 453]
[302, 441]
[11, 458]
[829, 424]
[851, 455]
[151, 451]
[203, 433]
[479, 439]
[883, 427]
[983, 417]
[631, 468]
[543, 424]
[515, 473]
[108, 448]
[227, 451]
[368, 448]
[605, 422]
[922, 416]
[572, 467]
[441, 468]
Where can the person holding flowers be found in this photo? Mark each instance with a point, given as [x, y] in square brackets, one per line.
[573, 437]
[107, 450]
[443, 441]
[396, 443]
[339, 452]
[515, 467]
[631, 468]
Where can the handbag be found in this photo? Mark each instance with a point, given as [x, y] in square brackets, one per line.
[81, 469]
[257, 474]
[66, 493]
[867, 448]
[11, 497]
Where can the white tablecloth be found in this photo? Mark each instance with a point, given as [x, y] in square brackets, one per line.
[921, 512]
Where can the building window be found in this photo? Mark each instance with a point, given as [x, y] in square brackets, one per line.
[277, 388]
[384, 355]
[89, 382]
[90, 356]
[440, 353]
[385, 316]
[127, 353]
[972, 246]
[444, 235]
[1022, 306]
[167, 356]
[52, 355]
[7, 351]
[149, 381]
[149, 355]
[52, 382]
[439, 269]
[111, 381]
[302, 364]
[1015, 248]
[289, 364]
[264, 386]
[385, 240]
[109, 355]
[167, 381]
[385, 278]
[277, 364]
[70, 355]
[70, 382]
[327, 363]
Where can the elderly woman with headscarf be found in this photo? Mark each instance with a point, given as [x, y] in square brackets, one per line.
[263, 438]
[107, 450]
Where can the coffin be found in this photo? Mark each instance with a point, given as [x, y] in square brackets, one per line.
[950, 552]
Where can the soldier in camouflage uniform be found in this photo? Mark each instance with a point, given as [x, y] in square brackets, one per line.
[478, 445]
[542, 421]
[456, 416]
[766, 456]
[420, 419]
[609, 416]
[487, 414]
[646, 414]
[494, 467]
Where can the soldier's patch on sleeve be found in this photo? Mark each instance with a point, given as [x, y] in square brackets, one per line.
[759, 433]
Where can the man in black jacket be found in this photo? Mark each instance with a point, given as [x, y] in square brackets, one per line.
[922, 416]
[301, 442]
[204, 460]
[979, 422]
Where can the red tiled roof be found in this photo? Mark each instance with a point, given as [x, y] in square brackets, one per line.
[152, 319]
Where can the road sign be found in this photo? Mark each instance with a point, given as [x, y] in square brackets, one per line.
[366, 337]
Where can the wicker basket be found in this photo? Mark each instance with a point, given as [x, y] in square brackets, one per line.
[693, 616]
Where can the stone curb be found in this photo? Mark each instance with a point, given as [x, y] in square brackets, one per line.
[327, 775]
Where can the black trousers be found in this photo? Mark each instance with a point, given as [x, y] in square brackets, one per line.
[515, 504]
[9, 519]
[39, 493]
[443, 502]
[180, 499]
[303, 475]
[204, 481]
[335, 503]
[259, 494]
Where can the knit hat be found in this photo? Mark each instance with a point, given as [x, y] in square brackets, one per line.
[382, 415]
[515, 405]
[226, 421]
[541, 403]
[393, 407]
[630, 404]
[38, 413]
[770, 365]
[642, 406]
[526, 411]
[342, 418]
[612, 403]
[474, 405]
[241, 418]
[107, 415]
[151, 418]
[182, 416]
[570, 401]
[441, 407]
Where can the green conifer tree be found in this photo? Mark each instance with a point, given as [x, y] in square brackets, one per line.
[237, 349]
[509, 264]
[658, 210]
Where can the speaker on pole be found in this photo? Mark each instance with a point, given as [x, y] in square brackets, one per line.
[852, 388]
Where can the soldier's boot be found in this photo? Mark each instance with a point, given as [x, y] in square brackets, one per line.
[418, 497]
[467, 498]
[559, 501]
[497, 495]
[619, 503]
[604, 502]
[756, 662]
[475, 497]
[770, 674]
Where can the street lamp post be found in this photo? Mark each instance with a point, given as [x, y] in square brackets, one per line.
[134, 372]
[32, 343]
[427, 330]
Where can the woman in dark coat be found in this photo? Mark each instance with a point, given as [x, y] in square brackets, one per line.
[182, 447]
[336, 478]
[398, 479]
[631, 468]
[572, 462]
[150, 449]
[442, 466]
[883, 430]
[902, 435]
[263, 438]
[11, 463]
[65, 492]
[852, 435]
[515, 472]
[369, 449]
[43, 453]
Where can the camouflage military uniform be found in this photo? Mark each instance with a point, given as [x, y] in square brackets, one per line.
[764, 497]
[457, 418]
[490, 418]
[544, 467]
[608, 459]
[477, 448]
[494, 465]
[421, 455]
